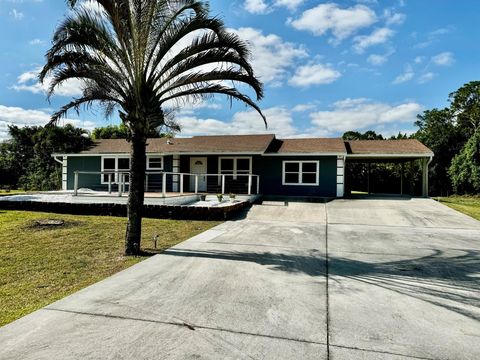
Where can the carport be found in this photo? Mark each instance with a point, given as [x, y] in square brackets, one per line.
[402, 152]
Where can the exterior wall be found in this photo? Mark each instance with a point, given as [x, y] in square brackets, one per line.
[87, 163]
[270, 170]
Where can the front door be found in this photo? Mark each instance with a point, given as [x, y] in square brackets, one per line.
[198, 165]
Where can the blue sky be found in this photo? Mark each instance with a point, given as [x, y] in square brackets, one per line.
[328, 67]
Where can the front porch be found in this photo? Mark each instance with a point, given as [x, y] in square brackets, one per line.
[162, 184]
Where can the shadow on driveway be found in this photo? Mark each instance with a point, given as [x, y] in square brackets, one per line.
[450, 282]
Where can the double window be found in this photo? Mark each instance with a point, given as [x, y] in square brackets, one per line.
[301, 173]
[235, 165]
[116, 165]
[154, 162]
[121, 164]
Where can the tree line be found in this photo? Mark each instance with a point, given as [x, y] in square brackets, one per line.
[453, 134]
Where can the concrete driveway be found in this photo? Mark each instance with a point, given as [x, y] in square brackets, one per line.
[362, 279]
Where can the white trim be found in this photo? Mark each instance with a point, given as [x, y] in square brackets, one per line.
[389, 155]
[235, 159]
[300, 172]
[199, 154]
[305, 154]
[116, 170]
[149, 156]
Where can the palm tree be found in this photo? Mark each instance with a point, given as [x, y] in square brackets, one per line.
[141, 57]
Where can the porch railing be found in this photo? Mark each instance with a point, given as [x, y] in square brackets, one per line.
[159, 181]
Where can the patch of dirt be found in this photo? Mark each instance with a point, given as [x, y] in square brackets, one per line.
[47, 224]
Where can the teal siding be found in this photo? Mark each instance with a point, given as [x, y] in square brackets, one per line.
[87, 163]
[270, 170]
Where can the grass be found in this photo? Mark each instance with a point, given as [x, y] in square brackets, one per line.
[469, 205]
[11, 192]
[39, 266]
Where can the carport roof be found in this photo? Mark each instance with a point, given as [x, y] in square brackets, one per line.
[387, 147]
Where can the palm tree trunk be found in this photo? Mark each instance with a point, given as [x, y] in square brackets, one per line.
[136, 195]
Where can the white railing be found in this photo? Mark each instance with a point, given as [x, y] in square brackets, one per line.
[158, 181]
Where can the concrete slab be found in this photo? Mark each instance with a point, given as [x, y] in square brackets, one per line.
[398, 212]
[249, 289]
[289, 212]
[410, 289]
[404, 283]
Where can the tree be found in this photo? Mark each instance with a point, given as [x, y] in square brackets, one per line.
[27, 159]
[465, 168]
[121, 132]
[138, 56]
[368, 135]
[465, 105]
[438, 131]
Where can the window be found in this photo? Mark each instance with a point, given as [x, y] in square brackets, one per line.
[115, 165]
[235, 165]
[300, 172]
[155, 163]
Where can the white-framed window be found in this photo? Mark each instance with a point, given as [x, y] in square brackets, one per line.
[304, 173]
[235, 165]
[154, 162]
[115, 164]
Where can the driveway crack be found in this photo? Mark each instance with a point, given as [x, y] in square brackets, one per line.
[327, 276]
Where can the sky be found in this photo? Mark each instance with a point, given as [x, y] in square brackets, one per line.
[327, 67]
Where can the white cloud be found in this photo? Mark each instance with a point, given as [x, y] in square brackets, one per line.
[16, 14]
[362, 114]
[341, 22]
[256, 6]
[407, 75]
[426, 77]
[28, 81]
[392, 18]
[280, 122]
[290, 4]
[378, 36]
[263, 7]
[419, 59]
[272, 57]
[25, 117]
[36, 42]
[376, 59]
[315, 74]
[303, 107]
[443, 59]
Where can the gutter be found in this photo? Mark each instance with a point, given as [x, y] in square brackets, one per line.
[55, 157]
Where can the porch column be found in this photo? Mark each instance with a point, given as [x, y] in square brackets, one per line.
[425, 163]
[340, 176]
[64, 174]
[176, 169]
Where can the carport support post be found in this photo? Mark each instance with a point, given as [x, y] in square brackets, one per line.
[401, 179]
[75, 184]
[164, 184]
[425, 163]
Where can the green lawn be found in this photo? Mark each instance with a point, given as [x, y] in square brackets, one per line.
[469, 205]
[10, 192]
[39, 266]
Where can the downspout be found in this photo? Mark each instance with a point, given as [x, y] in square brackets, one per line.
[55, 157]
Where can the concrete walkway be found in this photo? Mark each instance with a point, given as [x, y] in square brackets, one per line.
[381, 279]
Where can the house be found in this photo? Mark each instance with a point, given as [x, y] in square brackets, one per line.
[238, 164]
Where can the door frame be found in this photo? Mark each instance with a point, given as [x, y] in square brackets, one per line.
[192, 178]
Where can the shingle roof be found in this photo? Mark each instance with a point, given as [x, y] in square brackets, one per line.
[388, 147]
[311, 146]
[197, 144]
[259, 144]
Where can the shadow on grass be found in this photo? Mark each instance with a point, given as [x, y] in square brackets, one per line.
[450, 282]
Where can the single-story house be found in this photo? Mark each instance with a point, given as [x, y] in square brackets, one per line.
[237, 164]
